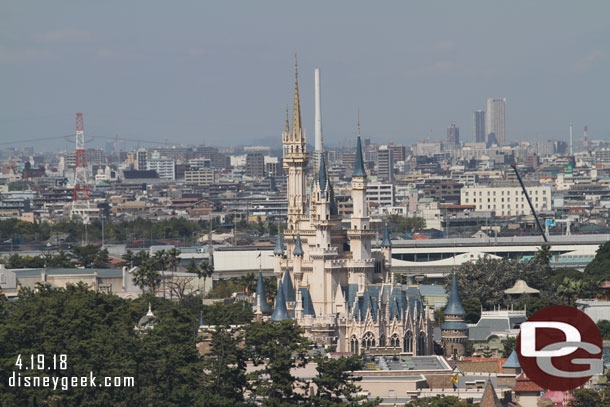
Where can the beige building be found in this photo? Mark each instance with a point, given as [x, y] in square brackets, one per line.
[202, 176]
[506, 199]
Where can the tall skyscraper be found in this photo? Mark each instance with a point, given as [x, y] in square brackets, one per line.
[494, 122]
[453, 134]
[478, 126]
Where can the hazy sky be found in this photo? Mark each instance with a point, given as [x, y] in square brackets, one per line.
[222, 72]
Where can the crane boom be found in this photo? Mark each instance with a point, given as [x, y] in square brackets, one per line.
[530, 203]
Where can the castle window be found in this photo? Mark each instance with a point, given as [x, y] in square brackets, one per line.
[395, 341]
[368, 340]
[408, 342]
[354, 344]
[421, 344]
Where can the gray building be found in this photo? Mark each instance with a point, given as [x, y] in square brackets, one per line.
[453, 134]
[495, 121]
[478, 126]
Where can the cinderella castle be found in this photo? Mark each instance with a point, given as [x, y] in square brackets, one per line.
[330, 279]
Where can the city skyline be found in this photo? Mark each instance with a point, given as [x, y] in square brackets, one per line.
[213, 76]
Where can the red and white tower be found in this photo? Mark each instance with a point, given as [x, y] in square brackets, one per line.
[80, 197]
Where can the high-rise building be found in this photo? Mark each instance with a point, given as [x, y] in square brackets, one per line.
[255, 165]
[478, 126]
[453, 134]
[495, 120]
[384, 164]
[141, 160]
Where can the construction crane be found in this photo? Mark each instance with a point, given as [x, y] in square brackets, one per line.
[530, 203]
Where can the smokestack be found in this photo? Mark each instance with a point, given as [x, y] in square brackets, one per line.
[571, 145]
[319, 141]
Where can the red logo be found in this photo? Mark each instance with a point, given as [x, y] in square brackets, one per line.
[560, 348]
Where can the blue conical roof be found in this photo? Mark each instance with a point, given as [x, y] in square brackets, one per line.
[261, 297]
[279, 250]
[308, 308]
[289, 293]
[387, 242]
[298, 248]
[359, 162]
[322, 173]
[280, 313]
[333, 204]
[512, 361]
[454, 306]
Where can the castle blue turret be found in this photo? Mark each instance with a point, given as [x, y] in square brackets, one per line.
[280, 313]
[260, 303]
[454, 332]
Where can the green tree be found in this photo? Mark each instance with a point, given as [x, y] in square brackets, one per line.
[587, 398]
[205, 271]
[604, 329]
[61, 259]
[569, 290]
[402, 224]
[509, 344]
[493, 276]
[147, 276]
[278, 347]
[438, 401]
[335, 385]
[89, 255]
[472, 306]
[599, 268]
[532, 304]
[127, 259]
[225, 367]
[96, 332]
[173, 258]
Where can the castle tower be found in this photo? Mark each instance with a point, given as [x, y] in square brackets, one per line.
[386, 249]
[454, 332]
[278, 254]
[359, 233]
[321, 283]
[295, 160]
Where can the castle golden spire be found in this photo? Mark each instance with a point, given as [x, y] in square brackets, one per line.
[296, 110]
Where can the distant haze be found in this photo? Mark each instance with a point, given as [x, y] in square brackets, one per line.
[222, 72]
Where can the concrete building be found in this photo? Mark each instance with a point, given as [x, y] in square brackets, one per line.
[478, 126]
[202, 176]
[507, 199]
[495, 121]
[381, 194]
[255, 165]
[453, 135]
[141, 156]
[164, 167]
[385, 164]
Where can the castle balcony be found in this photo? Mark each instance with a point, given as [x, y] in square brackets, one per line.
[321, 253]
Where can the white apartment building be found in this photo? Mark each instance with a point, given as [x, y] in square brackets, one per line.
[165, 167]
[506, 199]
[202, 176]
[381, 194]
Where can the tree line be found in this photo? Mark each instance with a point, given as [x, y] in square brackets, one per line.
[96, 332]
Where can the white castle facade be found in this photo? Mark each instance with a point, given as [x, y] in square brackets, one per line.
[331, 281]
